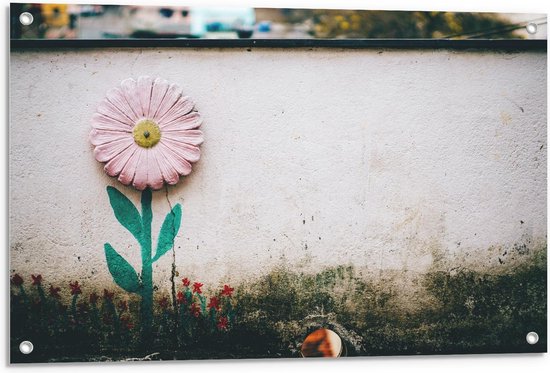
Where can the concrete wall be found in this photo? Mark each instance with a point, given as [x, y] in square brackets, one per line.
[383, 159]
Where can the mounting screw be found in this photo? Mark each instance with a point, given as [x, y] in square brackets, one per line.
[26, 18]
[532, 338]
[531, 28]
[26, 347]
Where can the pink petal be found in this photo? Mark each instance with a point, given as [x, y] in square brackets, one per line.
[180, 164]
[115, 165]
[101, 122]
[188, 152]
[148, 172]
[129, 170]
[187, 122]
[154, 174]
[169, 173]
[182, 107]
[131, 94]
[160, 88]
[140, 178]
[116, 97]
[109, 110]
[106, 152]
[193, 137]
[172, 96]
[145, 86]
[99, 137]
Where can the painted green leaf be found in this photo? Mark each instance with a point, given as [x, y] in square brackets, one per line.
[123, 273]
[168, 232]
[125, 212]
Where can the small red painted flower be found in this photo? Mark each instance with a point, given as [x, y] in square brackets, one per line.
[94, 298]
[223, 323]
[185, 281]
[195, 310]
[181, 298]
[227, 290]
[214, 303]
[75, 288]
[17, 280]
[54, 292]
[36, 280]
[122, 305]
[163, 302]
[197, 287]
[107, 294]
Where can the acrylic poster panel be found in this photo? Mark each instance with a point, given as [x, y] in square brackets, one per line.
[169, 202]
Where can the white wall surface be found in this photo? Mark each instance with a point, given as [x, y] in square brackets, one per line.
[384, 159]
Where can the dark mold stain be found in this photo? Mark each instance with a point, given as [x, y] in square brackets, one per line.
[463, 312]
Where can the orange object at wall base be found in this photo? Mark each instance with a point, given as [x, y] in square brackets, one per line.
[323, 343]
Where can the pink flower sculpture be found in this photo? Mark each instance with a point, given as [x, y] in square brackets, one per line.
[146, 133]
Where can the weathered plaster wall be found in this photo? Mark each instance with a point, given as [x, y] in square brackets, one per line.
[386, 160]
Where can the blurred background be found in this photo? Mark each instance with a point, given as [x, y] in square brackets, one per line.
[69, 21]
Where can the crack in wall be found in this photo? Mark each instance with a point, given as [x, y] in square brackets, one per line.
[173, 271]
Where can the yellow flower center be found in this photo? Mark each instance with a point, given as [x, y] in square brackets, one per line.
[146, 133]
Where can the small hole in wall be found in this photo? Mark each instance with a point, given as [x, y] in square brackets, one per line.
[26, 347]
[26, 18]
[532, 338]
[322, 343]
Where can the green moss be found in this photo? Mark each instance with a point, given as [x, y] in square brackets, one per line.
[463, 312]
[449, 312]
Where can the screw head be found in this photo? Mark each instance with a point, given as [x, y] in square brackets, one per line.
[532, 338]
[26, 347]
[26, 18]
[531, 28]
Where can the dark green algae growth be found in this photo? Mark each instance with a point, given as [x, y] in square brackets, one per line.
[456, 312]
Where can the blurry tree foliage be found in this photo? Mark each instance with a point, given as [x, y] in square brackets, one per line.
[395, 24]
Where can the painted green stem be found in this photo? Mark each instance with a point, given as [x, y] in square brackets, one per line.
[73, 305]
[124, 275]
[23, 293]
[116, 321]
[41, 294]
[146, 290]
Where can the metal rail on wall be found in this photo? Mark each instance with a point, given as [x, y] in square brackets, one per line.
[492, 44]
